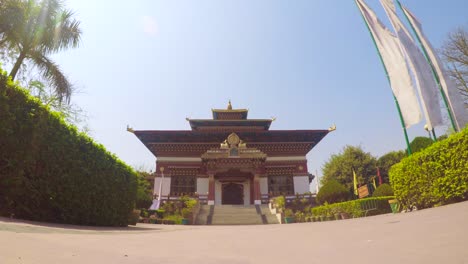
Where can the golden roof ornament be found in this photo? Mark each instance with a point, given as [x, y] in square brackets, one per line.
[229, 107]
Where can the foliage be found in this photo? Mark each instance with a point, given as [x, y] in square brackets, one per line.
[40, 29]
[279, 202]
[387, 161]
[51, 172]
[144, 195]
[288, 213]
[455, 53]
[332, 192]
[383, 190]
[354, 208]
[420, 143]
[340, 166]
[434, 176]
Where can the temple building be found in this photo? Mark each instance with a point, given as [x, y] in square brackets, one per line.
[231, 159]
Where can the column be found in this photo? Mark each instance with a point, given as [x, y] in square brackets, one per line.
[211, 189]
[257, 194]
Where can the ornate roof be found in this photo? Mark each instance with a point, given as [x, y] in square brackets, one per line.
[229, 113]
[194, 143]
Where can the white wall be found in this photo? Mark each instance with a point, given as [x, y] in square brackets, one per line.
[166, 186]
[264, 185]
[218, 190]
[202, 186]
[246, 192]
[301, 184]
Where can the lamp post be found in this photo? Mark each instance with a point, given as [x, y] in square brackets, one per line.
[426, 127]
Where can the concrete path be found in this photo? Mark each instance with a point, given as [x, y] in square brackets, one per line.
[438, 235]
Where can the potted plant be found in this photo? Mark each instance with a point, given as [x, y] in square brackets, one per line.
[336, 213]
[134, 217]
[344, 215]
[395, 205]
[288, 216]
[185, 216]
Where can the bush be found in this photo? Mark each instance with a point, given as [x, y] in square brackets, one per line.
[434, 176]
[332, 192]
[383, 190]
[51, 172]
[279, 203]
[354, 208]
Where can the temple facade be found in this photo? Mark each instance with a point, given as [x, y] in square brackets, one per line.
[231, 159]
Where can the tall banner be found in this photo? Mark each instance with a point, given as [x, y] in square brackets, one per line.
[422, 72]
[455, 100]
[395, 64]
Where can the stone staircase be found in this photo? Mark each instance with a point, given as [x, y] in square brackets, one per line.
[235, 215]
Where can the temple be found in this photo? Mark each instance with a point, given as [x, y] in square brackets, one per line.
[231, 159]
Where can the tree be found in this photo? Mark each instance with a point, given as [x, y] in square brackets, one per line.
[144, 193]
[387, 161]
[333, 192]
[340, 167]
[39, 29]
[455, 53]
[420, 143]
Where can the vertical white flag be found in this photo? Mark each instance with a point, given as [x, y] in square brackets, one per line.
[422, 72]
[454, 98]
[394, 61]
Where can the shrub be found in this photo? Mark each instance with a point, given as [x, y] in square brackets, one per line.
[383, 190]
[279, 202]
[332, 192]
[434, 176]
[355, 208]
[51, 172]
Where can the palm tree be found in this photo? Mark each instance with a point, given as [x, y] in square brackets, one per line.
[40, 28]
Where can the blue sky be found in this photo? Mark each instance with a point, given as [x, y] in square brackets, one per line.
[311, 64]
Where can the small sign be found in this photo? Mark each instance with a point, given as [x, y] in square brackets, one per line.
[363, 191]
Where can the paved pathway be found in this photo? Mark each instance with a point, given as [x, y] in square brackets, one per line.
[438, 235]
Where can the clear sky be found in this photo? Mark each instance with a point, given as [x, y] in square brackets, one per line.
[150, 64]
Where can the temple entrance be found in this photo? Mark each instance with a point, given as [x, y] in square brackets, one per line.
[233, 193]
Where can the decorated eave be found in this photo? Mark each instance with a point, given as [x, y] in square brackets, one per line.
[195, 143]
[209, 124]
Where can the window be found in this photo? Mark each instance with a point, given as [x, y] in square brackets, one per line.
[183, 185]
[280, 185]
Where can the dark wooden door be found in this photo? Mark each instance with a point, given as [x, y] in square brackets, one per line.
[233, 193]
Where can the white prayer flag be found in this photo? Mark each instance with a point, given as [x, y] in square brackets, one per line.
[394, 61]
[422, 72]
[454, 98]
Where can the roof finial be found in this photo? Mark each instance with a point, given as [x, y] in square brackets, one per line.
[229, 105]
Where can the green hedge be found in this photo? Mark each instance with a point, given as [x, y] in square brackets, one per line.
[332, 192]
[434, 176]
[383, 190]
[355, 208]
[51, 172]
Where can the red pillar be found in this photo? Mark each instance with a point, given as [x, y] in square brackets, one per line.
[257, 195]
[211, 190]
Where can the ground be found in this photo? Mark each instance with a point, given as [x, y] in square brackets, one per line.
[437, 235]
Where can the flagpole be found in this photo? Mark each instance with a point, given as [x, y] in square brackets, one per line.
[434, 72]
[388, 78]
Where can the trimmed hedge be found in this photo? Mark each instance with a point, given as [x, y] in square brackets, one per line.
[51, 172]
[332, 192]
[434, 176]
[355, 207]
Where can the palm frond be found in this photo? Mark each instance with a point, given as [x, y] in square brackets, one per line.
[53, 74]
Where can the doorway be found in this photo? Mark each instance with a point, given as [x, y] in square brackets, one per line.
[233, 193]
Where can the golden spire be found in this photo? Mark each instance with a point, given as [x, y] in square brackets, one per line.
[229, 105]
